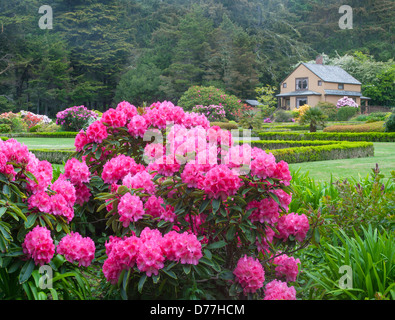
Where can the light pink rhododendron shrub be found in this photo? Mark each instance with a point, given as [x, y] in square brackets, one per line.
[179, 197]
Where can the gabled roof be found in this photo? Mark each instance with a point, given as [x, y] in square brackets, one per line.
[299, 93]
[343, 93]
[253, 102]
[331, 73]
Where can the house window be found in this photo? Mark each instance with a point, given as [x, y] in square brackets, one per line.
[284, 85]
[319, 83]
[340, 86]
[302, 84]
[301, 101]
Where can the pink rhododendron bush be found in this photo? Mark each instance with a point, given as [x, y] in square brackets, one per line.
[165, 205]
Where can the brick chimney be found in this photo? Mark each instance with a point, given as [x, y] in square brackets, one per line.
[319, 59]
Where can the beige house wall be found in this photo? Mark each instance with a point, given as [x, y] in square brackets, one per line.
[302, 72]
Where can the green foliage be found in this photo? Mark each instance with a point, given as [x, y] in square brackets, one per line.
[329, 109]
[52, 156]
[200, 95]
[314, 117]
[377, 126]
[283, 116]
[390, 124]
[139, 84]
[251, 119]
[340, 136]
[346, 113]
[265, 95]
[5, 128]
[225, 125]
[371, 259]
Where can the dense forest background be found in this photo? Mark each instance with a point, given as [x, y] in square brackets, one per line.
[100, 52]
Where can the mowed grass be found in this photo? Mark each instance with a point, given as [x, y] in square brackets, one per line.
[384, 156]
[47, 143]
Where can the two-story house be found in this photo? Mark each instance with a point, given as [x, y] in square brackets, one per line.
[311, 83]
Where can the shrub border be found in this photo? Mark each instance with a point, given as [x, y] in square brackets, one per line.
[337, 136]
[307, 151]
[62, 134]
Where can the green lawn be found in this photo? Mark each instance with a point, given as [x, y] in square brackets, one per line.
[47, 143]
[384, 155]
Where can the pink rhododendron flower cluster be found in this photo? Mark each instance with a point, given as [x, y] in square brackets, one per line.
[138, 126]
[77, 172]
[149, 252]
[96, 132]
[220, 182]
[140, 180]
[39, 245]
[12, 151]
[278, 290]
[114, 118]
[74, 247]
[346, 102]
[293, 224]
[286, 266]
[250, 274]
[119, 167]
[267, 210]
[130, 208]
[128, 109]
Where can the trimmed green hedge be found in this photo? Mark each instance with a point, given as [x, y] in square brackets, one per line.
[306, 151]
[337, 136]
[52, 156]
[62, 134]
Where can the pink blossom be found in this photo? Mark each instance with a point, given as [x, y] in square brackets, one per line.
[137, 126]
[286, 266]
[282, 173]
[114, 118]
[66, 189]
[264, 165]
[293, 224]
[250, 274]
[80, 141]
[140, 180]
[40, 200]
[76, 171]
[128, 109]
[83, 194]
[118, 167]
[130, 208]
[39, 245]
[267, 211]
[220, 182]
[96, 132]
[278, 290]
[74, 247]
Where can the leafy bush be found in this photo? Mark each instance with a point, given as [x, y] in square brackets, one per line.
[162, 201]
[5, 128]
[75, 118]
[367, 127]
[329, 109]
[35, 214]
[314, 117]
[346, 113]
[212, 112]
[390, 124]
[35, 128]
[200, 95]
[283, 116]
[338, 136]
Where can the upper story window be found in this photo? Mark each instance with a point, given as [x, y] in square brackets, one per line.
[302, 84]
[319, 83]
[284, 85]
[340, 86]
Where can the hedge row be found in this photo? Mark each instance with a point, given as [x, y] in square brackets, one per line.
[337, 136]
[307, 151]
[364, 127]
[62, 134]
[52, 156]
